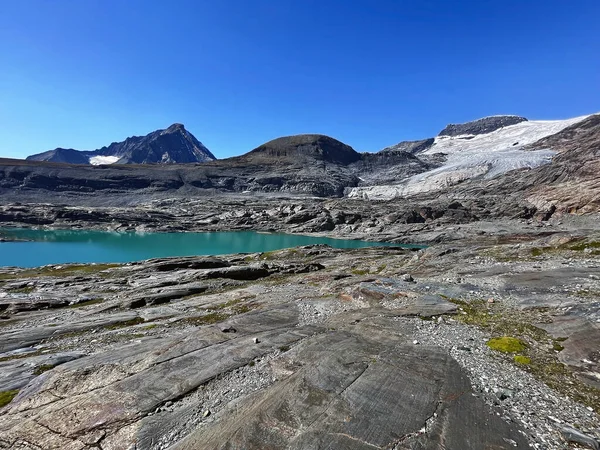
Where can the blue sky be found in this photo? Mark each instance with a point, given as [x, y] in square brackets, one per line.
[237, 73]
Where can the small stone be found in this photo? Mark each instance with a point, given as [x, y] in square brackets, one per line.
[206, 413]
[491, 300]
[169, 403]
[229, 330]
[256, 340]
[503, 394]
[415, 342]
[407, 277]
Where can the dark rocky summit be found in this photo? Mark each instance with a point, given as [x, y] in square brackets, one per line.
[303, 148]
[172, 145]
[481, 126]
[64, 155]
[412, 147]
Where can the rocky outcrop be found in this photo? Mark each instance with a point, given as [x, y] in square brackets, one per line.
[172, 145]
[389, 166]
[481, 126]
[412, 147]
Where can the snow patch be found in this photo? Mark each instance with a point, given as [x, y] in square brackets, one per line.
[476, 156]
[97, 160]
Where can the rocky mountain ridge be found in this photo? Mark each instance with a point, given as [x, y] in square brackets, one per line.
[317, 165]
[169, 146]
[312, 165]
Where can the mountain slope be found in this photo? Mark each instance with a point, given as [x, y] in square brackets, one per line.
[471, 156]
[172, 145]
[571, 183]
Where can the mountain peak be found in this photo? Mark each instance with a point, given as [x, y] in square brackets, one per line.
[301, 146]
[173, 145]
[175, 127]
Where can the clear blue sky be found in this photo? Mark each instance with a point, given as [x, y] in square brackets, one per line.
[85, 73]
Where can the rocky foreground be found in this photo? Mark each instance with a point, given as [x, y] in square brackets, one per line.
[488, 339]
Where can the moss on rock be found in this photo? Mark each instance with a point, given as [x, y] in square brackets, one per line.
[520, 359]
[506, 344]
[7, 396]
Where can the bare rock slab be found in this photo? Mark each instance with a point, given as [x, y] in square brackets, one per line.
[350, 392]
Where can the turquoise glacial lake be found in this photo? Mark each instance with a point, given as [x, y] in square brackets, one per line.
[40, 247]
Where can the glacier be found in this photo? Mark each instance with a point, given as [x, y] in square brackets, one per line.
[475, 156]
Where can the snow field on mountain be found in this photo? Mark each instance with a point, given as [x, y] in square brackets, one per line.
[475, 156]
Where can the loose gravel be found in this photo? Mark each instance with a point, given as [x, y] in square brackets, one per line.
[515, 394]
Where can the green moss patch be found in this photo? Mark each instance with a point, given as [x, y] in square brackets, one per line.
[58, 271]
[557, 347]
[592, 247]
[23, 290]
[20, 356]
[583, 245]
[360, 272]
[7, 396]
[506, 344]
[279, 254]
[225, 305]
[520, 359]
[222, 312]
